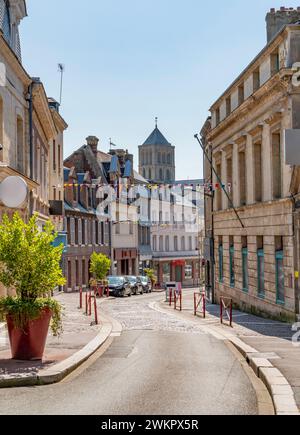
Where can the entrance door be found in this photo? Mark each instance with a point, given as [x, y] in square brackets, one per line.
[178, 274]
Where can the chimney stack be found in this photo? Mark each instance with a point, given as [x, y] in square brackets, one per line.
[276, 20]
[93, 142]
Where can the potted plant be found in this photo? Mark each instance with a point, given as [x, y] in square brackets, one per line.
[100, 266]
[151, 275]
[30, 268]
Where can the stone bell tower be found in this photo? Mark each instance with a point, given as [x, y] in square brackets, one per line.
[157, 158]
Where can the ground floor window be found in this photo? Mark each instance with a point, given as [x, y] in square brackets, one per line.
[245, 270]
[166, 272]
[188, 270]
[221, 270]
[261, 273]
[280, 294]
[231, 265]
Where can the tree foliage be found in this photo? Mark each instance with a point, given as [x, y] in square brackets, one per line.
[30, 264]
[100, 266]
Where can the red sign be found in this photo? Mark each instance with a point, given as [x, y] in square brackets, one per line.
[178, 263]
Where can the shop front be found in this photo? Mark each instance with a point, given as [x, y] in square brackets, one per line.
[126, 262]
[185, 271]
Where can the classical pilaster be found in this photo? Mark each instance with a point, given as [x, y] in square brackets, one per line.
[235, 175]
[266, 163]
[224, 180]
[250, 169]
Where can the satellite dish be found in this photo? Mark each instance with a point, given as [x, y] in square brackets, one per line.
[13, 192]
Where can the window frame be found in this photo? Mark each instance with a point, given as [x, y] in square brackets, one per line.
[261, 293]
[279, 256]
[245, 269]
[221, 264]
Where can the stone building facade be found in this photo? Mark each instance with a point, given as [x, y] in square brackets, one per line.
[28, 126]
[255, 260]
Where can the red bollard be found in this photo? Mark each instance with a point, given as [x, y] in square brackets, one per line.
[86, 303]
[221, 310]
[90, 304]
[107, 292]
[195, 304]
[80, 298]
[170, 297]
[96, 311]
[204, 305]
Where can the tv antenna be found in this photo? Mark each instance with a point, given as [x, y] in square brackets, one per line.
[61, 70]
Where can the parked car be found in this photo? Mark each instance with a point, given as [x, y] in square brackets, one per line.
[146, 283]
[119, 286]
[136, 285]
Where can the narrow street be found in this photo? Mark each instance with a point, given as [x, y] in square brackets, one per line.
[159, 365]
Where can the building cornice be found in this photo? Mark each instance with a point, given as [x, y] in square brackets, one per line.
[13, 61]
[266, 51]
[279, 82]
[59, 121]
[42, 110]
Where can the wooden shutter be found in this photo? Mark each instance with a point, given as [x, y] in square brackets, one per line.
[72, 231]
[79, 232]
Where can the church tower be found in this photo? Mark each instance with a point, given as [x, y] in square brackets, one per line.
[157, 158]
[11, 14]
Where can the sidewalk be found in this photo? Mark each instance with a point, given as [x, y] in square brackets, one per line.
[62, 355]
[267, 342]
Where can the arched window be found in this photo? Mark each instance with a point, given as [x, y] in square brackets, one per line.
[159, 158]
[168, 175]
[154, 243]
[183, 243]
[164, 158]
[169, 159]
[144, 173]
[161, 243]
[150, 174]
[167, 244]
[175, 243]
[161, 175]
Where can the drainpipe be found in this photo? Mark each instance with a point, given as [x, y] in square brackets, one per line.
[30, 112]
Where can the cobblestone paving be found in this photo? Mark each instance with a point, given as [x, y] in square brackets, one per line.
[136, 314]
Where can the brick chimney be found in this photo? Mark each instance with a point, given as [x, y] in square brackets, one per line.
[93, 142]
[277, 19]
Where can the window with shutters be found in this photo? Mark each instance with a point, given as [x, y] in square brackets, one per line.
[83, 223]
[76, 231]
[54, 155]
[69, 230]
[97, 232]
[72, 231]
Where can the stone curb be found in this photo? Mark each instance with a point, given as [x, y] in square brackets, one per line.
[279, 388]
[61, 370]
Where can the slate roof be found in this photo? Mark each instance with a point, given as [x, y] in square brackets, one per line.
[156, 138]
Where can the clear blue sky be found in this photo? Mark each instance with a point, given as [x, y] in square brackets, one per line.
[129, 61]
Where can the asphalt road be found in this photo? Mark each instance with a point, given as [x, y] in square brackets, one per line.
[159, 365]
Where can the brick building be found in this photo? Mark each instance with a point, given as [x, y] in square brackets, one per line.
[85, 234]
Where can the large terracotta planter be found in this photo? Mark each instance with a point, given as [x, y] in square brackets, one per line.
[28, 344]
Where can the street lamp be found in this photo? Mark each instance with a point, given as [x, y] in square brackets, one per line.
[13, 192]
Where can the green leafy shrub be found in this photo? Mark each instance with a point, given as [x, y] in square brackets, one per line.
[100, 266]
[29, 264]
[151, 275]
